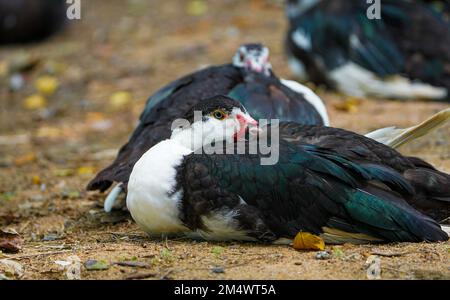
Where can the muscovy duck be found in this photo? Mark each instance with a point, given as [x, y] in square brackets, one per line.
[176, 189]
[403, 54]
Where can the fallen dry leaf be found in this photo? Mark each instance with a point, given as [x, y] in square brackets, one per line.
[10, 240]
[308, 241]
[34, 102]
[196, 8]
[92, 117]
[36, 180]
[25, 159]
[120, 100]
[85, 170]
[349, 105]
[47, 85]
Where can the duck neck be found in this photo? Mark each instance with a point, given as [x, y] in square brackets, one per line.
[188, 137]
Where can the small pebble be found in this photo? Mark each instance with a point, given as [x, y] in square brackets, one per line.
[50, 237]
[218, 270]
[95, 265]
[323, 255]
[16, 82]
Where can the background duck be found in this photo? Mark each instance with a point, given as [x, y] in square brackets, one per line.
[30, 20]
[405, 54]
[173, 190]
[249, 78]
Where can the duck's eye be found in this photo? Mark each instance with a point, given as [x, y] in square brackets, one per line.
[219, 114]
[241, 56]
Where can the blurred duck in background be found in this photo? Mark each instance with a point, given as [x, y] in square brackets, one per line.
[404, 54]
[25, 21]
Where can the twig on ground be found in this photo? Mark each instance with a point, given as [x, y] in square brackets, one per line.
[389, 254]
[133, 264]
[166, 275]
[140, 276]
[166, 243]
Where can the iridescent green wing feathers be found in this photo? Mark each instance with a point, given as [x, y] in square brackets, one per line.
[309, 190]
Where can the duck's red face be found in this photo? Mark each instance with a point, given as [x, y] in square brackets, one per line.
[219, 118]
[244, 120]
[237, 120]
[253, 57]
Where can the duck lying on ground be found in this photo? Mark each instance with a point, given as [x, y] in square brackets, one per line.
[249, 79]
[176, 189]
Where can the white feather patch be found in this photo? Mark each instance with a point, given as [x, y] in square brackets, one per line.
[446, 229]
[149, 199]
[395, 137]
[222, 226]
[354, 80]
[112, 197]
[301, 39]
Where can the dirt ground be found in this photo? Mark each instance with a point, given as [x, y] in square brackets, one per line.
[48, 154]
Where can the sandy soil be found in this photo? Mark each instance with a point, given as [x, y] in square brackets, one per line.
[48, 155]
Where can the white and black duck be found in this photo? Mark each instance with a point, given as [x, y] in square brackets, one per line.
[175, 189]
[249, 79]
[405, 54]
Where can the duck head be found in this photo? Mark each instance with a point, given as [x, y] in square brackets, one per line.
[213, 120]
[253, 57]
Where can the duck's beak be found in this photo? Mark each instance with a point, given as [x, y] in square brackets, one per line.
[246, 119]
[251, 64]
